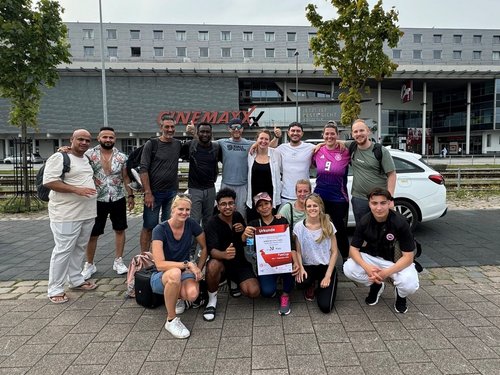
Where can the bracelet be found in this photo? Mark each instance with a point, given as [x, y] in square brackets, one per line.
[131, 196]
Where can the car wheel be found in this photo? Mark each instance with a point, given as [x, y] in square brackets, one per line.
[409, 211]
[7, 162]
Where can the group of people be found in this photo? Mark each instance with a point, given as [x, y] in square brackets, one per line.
[262, 184]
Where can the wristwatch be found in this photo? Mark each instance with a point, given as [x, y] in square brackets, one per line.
[186, 264]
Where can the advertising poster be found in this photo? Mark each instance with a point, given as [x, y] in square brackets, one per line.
[274, 254]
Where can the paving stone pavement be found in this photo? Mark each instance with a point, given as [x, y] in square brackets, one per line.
[452, 326]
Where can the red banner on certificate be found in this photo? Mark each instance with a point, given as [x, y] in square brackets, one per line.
[274, 254]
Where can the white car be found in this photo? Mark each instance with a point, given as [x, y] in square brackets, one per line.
[33, 158]
[420, 193]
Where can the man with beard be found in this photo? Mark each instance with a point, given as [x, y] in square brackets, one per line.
[296, 161]
[72, 210]
[111, 180]
[368, 172]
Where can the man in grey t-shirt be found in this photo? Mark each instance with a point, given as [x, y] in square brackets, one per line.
[368, 172]
[159, 177]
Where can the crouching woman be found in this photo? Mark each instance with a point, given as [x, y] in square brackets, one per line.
[317, 253]
[177, 278]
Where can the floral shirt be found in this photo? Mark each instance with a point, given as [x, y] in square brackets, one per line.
[110, 188]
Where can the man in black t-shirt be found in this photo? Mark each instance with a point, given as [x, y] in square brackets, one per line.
[380, 237]
[225, 247]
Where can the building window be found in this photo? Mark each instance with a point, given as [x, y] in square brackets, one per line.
[290, 52]
[476, 39]
[247, 36]
[457, 55]
[158, 34]
[291, 37]
[269, 36]
[111, 33]
[310, 36]
[203, 36]
[247, 52]
[496, 55]
[112, 51]
[457, 38]
[180, 35]
[135, 51]
[270, 53]
[158, 51]
[437, 38]
[417, 38]
[203, 51]
[417, 54]
[88, 33]
[476, 55]
[496, 39]
[396, 53]
[437, 54]
[225, 36]
[88, 51]
[181, 52]
[488, 140]
[225, 52]
[310, 54]
[135, 34]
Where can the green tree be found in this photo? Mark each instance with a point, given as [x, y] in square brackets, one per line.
[352, 44]
[32, 43]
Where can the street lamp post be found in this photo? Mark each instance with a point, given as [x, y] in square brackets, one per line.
[103, 71]
[296, 54]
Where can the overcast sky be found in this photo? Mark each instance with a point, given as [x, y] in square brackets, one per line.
[412, 13]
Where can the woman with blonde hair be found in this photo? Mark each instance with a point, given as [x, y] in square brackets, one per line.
[264, 167]
[177, 278]
[317, 253]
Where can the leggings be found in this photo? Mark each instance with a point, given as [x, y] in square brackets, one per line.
[338, 212]
[324, 296]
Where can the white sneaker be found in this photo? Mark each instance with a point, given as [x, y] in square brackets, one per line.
[180, 306]
[88, 270]
[119, 267]
[177, 329]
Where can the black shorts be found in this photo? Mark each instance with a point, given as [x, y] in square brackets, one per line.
[117, 212]
[238, 271]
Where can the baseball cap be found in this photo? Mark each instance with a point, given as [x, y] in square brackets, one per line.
[261, 197]
[234, 121]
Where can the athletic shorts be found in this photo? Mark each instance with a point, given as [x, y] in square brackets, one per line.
[117, 212]
[238, 271]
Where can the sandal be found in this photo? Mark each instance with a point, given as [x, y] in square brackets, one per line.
[61, 298]
[209, 313]
[86, 286]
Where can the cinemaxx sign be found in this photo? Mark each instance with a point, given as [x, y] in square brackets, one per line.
[212, 117]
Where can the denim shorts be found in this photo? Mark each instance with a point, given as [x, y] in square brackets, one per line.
[157, 285]
[163, 201]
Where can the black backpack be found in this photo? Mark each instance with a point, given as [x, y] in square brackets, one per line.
[42, 191]
[377, 152]
[134, 159]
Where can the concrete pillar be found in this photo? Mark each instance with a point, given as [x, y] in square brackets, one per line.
[424, 119]
[379, 112]
[467, 125]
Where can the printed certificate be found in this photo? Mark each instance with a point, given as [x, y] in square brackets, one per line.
[274, 254]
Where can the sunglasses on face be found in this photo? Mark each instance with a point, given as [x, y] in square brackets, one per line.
[236, 127]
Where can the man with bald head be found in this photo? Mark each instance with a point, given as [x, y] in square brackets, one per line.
[367, 171]
[72, 210]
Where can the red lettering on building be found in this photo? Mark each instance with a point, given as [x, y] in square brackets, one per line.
[213, 117]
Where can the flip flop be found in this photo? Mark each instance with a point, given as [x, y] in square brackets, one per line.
[86, 286]
[61, 298]
[209, 313]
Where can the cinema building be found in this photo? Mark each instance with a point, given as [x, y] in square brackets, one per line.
[447, 86]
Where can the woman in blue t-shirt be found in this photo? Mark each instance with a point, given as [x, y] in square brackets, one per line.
[177, 278]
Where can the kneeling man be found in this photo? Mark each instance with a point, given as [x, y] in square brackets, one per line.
[227, 259]
[374, 253]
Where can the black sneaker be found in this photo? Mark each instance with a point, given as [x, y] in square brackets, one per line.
[400, 303]
[375, 291]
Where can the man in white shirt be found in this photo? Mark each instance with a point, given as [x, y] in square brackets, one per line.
[72, 210]
[296, 160]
